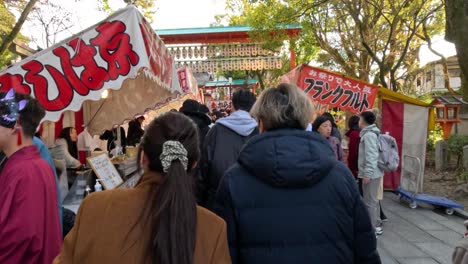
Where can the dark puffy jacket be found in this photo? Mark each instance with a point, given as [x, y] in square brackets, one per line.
[223, 144]
[203, 123]
[288, 200]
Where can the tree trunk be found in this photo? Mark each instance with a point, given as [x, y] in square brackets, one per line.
[457, 32]
[9, 39]
[445, 66]
[393, 82]
[382, 79]
[447, 77]
[260, 80]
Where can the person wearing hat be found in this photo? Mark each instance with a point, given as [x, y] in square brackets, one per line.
[193, 109]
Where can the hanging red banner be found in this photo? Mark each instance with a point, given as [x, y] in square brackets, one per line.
[183, 78]
[333, 89]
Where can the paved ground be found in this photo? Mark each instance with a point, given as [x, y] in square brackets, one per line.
[419, 236]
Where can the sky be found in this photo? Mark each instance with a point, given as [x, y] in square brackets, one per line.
[168, 14]
[440, 45]
[174, 14]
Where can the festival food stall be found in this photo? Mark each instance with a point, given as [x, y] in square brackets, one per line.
[120, 57]
[401, 116]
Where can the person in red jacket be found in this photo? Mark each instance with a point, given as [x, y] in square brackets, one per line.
[353, 146]
[29, 220]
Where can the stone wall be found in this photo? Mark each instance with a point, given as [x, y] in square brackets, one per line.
[461, 128]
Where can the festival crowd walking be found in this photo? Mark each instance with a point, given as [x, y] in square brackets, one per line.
[253, 187]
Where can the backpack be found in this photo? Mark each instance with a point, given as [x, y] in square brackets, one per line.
[389, 160]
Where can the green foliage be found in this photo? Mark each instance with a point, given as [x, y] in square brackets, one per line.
[463, 176]
[456, 143]
[373, 40]
[235, 75]
[222, 95]
[146, 7]
[434, 136]
[426, 98]
[7, 22]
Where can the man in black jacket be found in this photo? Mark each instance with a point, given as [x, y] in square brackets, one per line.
[194, 111]
[223, 144]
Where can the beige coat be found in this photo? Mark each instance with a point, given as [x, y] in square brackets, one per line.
[380, 192]
[103, 230]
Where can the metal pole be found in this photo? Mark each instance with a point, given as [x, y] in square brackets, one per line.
[230, 86]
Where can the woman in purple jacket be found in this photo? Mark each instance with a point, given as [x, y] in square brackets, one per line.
[323, 126]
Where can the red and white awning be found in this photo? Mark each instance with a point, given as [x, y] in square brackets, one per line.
[108, 55]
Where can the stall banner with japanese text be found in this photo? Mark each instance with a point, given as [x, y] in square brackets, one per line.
[333, 89]
[184, 79]
[100, 57]
[187, 81]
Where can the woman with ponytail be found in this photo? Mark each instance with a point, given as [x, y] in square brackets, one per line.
[158, 221]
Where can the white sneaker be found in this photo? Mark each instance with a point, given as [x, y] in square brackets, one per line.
[378, 230]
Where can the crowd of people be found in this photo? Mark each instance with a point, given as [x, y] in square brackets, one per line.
[254, 186]
[221, 110]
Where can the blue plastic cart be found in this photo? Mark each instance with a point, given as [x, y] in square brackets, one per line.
[411, 182]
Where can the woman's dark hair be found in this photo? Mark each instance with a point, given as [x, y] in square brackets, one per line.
[319, 121]
[331, 118]
[204, 109]
[243, 100]
[171, 209]
[30, 117]
[369, 117]
[140, 119]
[72, 146]
[353, 122]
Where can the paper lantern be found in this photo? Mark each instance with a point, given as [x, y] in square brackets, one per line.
[210, 51]
[196, 52]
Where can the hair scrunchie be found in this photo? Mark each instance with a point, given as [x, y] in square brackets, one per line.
[173, 150]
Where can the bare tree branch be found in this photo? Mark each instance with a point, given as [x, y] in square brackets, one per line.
[16, 29]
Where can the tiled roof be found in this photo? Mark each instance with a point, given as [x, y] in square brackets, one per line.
[213, 30]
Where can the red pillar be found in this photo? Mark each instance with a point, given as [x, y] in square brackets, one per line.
[58, 127]
[293, 59]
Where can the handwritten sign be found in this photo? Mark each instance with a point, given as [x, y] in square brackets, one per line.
[105, 170]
